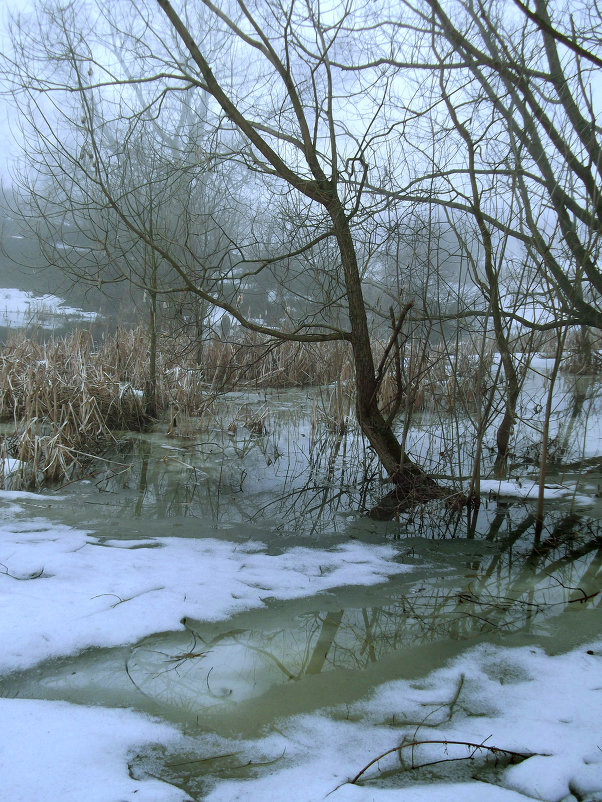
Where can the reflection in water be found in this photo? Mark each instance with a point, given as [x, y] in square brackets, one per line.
[476, 576]
[512, 588]
[301, 475]
[297, 476]
[239, 677]
[460, 591]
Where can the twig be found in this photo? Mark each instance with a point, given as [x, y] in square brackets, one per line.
[584, 597]
[216, 695]
[467, 744]
[35, 575]
[394, 335]
[202, 759]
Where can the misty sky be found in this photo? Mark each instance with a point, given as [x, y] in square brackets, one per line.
[8, 147]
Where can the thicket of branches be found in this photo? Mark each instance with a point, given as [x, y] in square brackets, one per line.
[340, 174]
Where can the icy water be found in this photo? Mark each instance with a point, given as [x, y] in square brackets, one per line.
[269, 468]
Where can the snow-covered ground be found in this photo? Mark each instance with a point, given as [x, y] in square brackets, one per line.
[19, 308]
[514, 699]
[506, 699]
[115, 592]
[63, 590]
[9, 466]
[529, 489]
[57, 752]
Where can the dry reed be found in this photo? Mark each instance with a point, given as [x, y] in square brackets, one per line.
[65, 398]
[68, 395]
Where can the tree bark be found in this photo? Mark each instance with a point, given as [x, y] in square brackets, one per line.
[412, 484]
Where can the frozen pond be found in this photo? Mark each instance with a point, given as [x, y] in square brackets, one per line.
[22, 310]
[210, 615]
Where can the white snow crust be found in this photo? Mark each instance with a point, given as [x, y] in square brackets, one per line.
[57, 752]
[63, 590]
[517, 699]
[527, 489]
[20, 308]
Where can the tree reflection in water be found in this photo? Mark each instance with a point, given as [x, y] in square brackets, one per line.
[478, 571]
[513, 587]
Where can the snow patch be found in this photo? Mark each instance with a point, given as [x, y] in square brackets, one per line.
[551, 708]
[52, 751]
[530, 490]
[81, 592]
[19, 308]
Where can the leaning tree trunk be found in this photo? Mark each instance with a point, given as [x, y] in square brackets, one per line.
[411, 482]
[322, 190]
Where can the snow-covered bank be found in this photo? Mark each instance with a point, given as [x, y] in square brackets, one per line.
[19, 308]
[57, 752]
[63, 590]
[517, 699]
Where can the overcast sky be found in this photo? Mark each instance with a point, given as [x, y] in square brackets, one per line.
[8, 148]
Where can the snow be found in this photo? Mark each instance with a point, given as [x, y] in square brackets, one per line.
[126, 387]
[57, 751]
[518, 699]
[63, 589]
[21, 495]
[19, 308]
[9, 465]
[444, 792]
[529, 490]
[111, 593]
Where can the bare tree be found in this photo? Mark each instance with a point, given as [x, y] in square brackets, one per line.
[519, 94]
[511, 141]
[305, 136]
[307, 98]
[100, 186]
[523, 82]
[335, 122]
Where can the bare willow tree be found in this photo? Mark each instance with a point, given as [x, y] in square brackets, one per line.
[518, 83]
[306, 134]
[308, 138]
[337, 121]
[526, 112]
[511, 99]
[100, 185]
[510, 148]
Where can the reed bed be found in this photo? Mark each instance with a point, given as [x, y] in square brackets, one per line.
[67, 384]
[583, 353]
[250, 360]
[67, 396]
[433, 378]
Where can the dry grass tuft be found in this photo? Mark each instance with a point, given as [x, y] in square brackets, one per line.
[335, 407]
[250, 360]
[66, 398]
[432, 378]
[68, 395]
